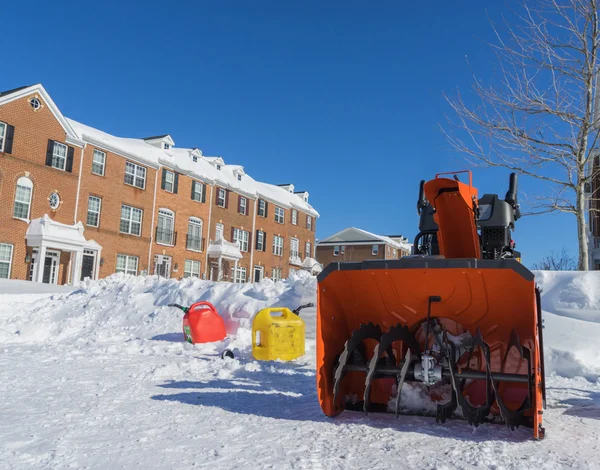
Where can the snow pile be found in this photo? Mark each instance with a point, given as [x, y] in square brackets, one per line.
[123, 308]
[571, 305]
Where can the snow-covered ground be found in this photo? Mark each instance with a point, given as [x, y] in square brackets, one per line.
[99, 377]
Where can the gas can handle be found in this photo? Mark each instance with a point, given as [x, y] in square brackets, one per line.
[202, 303]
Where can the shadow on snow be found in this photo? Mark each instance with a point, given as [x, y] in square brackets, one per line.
[288, 391]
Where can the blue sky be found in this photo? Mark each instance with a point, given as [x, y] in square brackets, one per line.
[343, 99]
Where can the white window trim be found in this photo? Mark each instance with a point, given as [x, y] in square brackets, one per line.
[172, 182]
[4, 126]
[294, 217]
[134, 174]
[336, 250]
[237, 275]
[262, 238]
[191, 272]
[219, 198]
[279, 272]
[54, 154]
[169, 214]
[282, 215]
[99, 152]
[374, 250]
[244, 206]
[197, 222]
[264, 208]
[131, 220]
[28, 184]
[307, 246]
[88, 210]
[200, 193]
[127, 259]
[10, 260]
[222, 230]
[245, 238]
[309, 222]
[277, 246]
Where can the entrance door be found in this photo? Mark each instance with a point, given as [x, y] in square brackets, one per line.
[87, 267]
[259, 272]
[50, 275]
[162, 265]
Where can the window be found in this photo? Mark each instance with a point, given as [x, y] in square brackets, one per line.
[294, 217]
[131, 220]
[308, 254]
[309, 222]
[5, 260]
[375, 250]
[59, 156]
[260, 240]
[167, 146]
[243, 202]
[262, 208]
[164, 229]
[277, 245]
[241, 237]
[127, 264]
[395, 253]
[221, 197]
[54, 200]
[2, 136]
[218, 167]
[239, 177]
[195, 159]
[98, 161]
[294, 248]
[336, 250]
[276, 274]
[169, 184]
[22, 205]
[343, 249]
[239, 276]
[194, 236]
[93, 212]
[191, 268]
[279, 215]
[35, 103]
[219, 231]
[135, 175]
[198, 191]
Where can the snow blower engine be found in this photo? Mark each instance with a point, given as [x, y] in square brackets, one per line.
[460, 319]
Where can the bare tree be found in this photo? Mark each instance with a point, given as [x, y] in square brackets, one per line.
[556, 262]
[538, 117]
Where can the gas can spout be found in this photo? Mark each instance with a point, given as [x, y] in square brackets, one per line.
[180, 307]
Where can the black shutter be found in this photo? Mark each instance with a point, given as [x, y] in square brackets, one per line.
[8, 139]
[249, 241]
[176, 184]
[162, 182]
[266, 209]
[232, 229]
[239, 204]
[203, 192]
[226, 198]
[264, 241]
[49, 151]
[70, 153]
[193, 189]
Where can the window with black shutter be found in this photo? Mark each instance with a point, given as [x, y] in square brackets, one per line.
[7, 133]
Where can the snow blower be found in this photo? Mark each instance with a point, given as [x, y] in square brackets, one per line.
[460, 319]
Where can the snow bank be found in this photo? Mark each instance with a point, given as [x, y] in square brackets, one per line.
[124, 309]
[571, 305]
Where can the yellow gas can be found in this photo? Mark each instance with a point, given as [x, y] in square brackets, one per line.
[277, 333]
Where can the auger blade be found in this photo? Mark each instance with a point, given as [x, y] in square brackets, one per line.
[475, 415]
[401, 377]
[366, 331]
[511, 418]
[395, 333]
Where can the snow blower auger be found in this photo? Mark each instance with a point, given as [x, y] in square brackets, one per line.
[460, 319]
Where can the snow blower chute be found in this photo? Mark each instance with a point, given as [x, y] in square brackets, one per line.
[460, 318]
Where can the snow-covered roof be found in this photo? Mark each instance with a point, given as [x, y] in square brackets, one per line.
[223, 248]
[356, 235]
[54, 234]
[204, 168]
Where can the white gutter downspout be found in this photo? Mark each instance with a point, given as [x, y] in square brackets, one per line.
[78, 185]
[152, 226]
[208, 231]
[251, 267]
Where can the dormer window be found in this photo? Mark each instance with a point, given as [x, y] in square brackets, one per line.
[239, 177]
[218, 166]
[195, 159]
[167, 146]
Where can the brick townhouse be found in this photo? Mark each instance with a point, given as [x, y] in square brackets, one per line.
[76, 202]
[353, 244]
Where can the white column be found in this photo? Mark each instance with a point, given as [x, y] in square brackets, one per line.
[38, 273]
[235, 269]
[220, 273]
[77, 266]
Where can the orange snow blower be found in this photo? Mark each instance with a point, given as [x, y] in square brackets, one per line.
[460, 319]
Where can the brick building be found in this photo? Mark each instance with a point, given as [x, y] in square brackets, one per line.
[593, 223]
[76, 202]
[354, 244]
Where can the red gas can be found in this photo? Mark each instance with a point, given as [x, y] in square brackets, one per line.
[202, 324]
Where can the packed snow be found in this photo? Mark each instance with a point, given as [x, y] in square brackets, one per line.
[98, 376]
